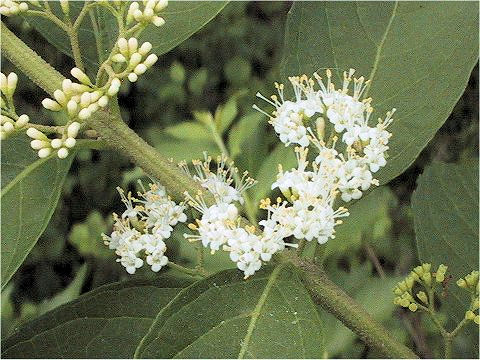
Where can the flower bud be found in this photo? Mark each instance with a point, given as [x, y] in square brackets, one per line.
[404, 302]
[119, 58]
[418, 270]
[67, 86]
[138, 15]
[132, 45]
[148, 14]
[62, 153]
[469, 315]
[462, 283]
[475, 304]
[22, 121]
[477, 320]
[145, 48]
[23, 7]
[12, 80]
[39, 144]
[158, 21]
[426, 267]
[122, 44]
[427, 278]
[112, 90]
[72, 130]
[8, 127]
[397, 291]
[3, 83]
[150, 60]
[80, 76]
[92, 108]
[65, 6]
[103, 101]
[72, 108]
[50, 104]
[472, 278]
[84, 114]
[162, 4]
[423, 297]
[36, 134]
[85, 99]
[132, 77]
[413, 307]
[409, 281]
[60, 97]
[80, 88]
[135, 60]
[70, 142]
[43, 153]
[94, 96]
[116, 82]
[140, 69]
[56, 143]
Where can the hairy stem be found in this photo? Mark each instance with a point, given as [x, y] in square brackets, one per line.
[116, 133]
[337, 302]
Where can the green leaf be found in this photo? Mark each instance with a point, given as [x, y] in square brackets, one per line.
[107, 322]
[30, 192]
[189, 131]
[445, 209]
[96, 41]
[242, 132]
[267, 174]
[418, 55]
[367, 216]
[225, 114]
[269, 315]
[183, 19]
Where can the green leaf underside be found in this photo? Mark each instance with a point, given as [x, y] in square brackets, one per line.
[445, 209]
[419, 56]
[267, 316]
[107, 322]
[31, 188]
[270, 315]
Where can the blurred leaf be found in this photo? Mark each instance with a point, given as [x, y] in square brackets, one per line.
[225, 114]
[30, 191]
[241, 133]
[373, 293]
[86, 236]
[267, 174]
[369, 218]
[177, 72]
[188, 130]
[198, 81]
[238, 71]
[210, 320]
[68, 294]
[107, 322]
[445, 209]
[418, 55]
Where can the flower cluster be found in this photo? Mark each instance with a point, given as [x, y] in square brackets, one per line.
[12, 7]
[139, 234]
[471, 283]
[147, 12]
[220, 226]
[304, 121]
[9, 120]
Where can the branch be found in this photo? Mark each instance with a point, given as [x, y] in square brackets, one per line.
[348, 311]
[120, 137]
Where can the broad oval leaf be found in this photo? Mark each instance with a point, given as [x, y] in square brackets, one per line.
[107, 322]
[269, 315]
[418, 55]
[445, 210]
[31, 188]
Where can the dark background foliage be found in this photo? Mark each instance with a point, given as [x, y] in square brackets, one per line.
[235, 55]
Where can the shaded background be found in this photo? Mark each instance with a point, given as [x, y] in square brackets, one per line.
[235, 55]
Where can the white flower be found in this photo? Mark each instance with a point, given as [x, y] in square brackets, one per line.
[12, 7]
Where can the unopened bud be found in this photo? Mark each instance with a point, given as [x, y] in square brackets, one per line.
[413, 307]
[162, 4]
[119, 58]
[12, 80]
[50, 104]
[56, 143]
[39, 144]
[59, 95]
[43, 153]
[462, 283]
[150, 60]
[145, 48]
[132, 77]
[140, 69]
[135, 60]
[65, 6]
[62, 153]
[423, 297]
[80, 76]
[158, 21]
[22, 121]
[72, 130]
[469, 315]
[72, 108]
[427, 278]
[103, 101]
[8, 127]
[84, 114]
[36, 134]
[122, 44]
[70, 142]
[132, 45]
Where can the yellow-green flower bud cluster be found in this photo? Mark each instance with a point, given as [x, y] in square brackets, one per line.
[46, 146]
[136, 58]
[12, 7]
[77, 99]
[147, 12]
[470, 282]
[423, 276]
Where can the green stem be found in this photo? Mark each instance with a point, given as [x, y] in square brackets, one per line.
[448, 347]
[188, 271]
[249, 206]
[116, 133]
[337, 302]
[50, 16]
